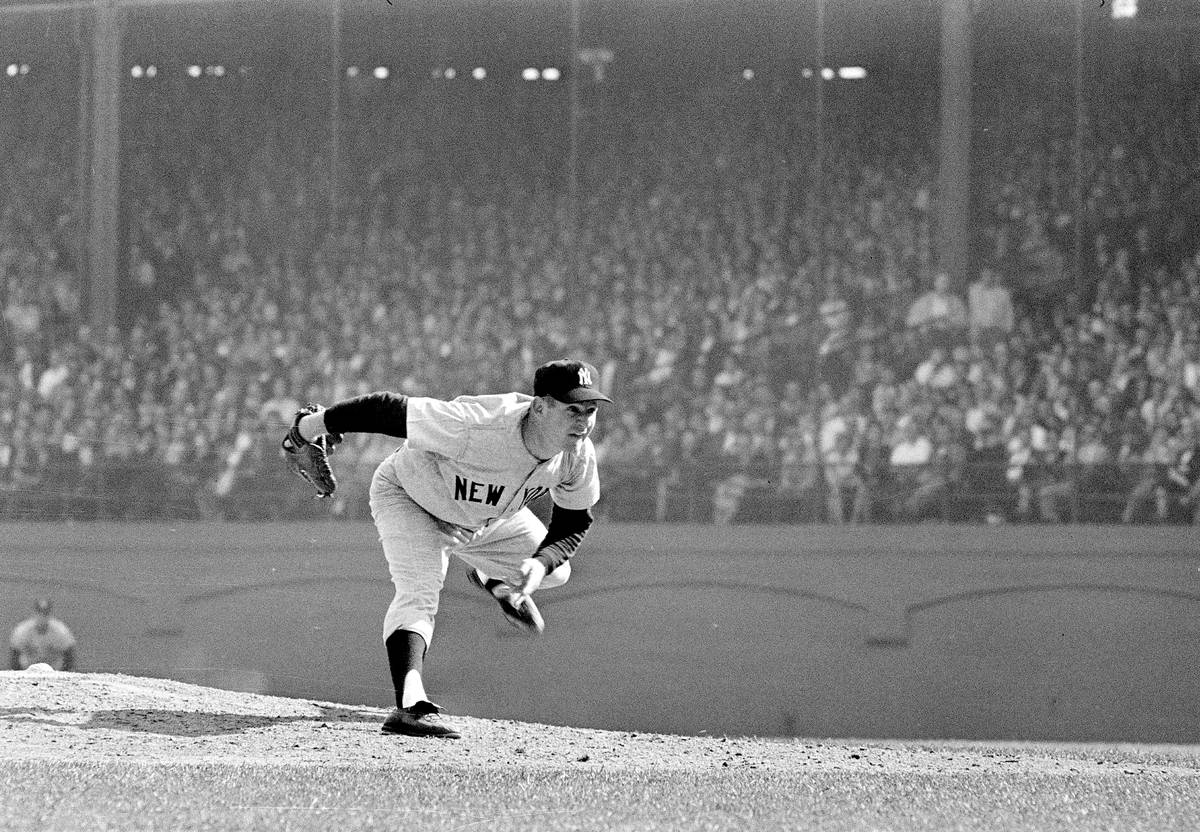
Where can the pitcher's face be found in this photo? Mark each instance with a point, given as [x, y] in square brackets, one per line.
[565, 426]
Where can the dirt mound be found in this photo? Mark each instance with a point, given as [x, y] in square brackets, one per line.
[100, 716]
[108, 716]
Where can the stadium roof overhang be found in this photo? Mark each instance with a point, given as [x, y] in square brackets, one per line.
[685, 34]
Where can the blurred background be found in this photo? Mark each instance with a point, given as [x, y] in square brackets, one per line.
[868, 261]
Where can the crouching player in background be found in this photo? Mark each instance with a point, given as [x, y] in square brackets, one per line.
[42, 639]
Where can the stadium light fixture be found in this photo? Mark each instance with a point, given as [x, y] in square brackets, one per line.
[747, 74]
[11, 70]
[530, 73]
[136, 71]
[828, 74]
[24, 69]
[551, 73]
[806, 72]
[152, 71]
[852, 73]
[193, 71]
[351, 72]
[478, 73]
[1124, 9]
[381, 72]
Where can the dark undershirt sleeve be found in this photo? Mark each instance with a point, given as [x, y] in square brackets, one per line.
[566, 532]
[385, 413]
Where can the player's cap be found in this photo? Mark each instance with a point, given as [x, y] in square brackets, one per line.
[568, 381]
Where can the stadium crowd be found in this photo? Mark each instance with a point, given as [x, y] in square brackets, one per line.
[778, 337]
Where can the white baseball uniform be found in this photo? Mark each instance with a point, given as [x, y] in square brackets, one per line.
[461, 484]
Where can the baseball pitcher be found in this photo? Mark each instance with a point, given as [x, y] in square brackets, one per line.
[460, 484]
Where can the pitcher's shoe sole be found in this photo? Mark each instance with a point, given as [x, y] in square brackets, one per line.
[423, 719]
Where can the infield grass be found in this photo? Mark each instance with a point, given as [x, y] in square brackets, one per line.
[51, 795]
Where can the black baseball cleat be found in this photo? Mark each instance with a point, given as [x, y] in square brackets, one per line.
[422, 719]
[524, 616]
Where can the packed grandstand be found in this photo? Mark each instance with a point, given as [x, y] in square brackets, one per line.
[776, 333]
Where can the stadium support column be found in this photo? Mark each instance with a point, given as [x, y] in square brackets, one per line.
[105, 169]
[335, 114]
[817, 198]
[573, 148]
[954, 153]
[83, 140]
[1078, 169]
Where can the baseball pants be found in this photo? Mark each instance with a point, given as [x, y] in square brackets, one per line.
[418, 547]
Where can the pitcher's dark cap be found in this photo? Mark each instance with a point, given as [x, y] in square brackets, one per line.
[568, 381]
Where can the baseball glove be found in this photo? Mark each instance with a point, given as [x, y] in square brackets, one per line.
[310, 460]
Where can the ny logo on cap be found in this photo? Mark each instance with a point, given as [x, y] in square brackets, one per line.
[585, 377]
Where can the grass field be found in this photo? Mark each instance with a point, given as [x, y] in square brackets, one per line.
[85, 751]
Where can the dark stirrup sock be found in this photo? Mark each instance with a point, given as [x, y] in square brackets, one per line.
[405, 652]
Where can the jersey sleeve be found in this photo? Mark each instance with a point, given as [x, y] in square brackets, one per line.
[580, 487]
[440, 427]
[379, 412]
[566, 532]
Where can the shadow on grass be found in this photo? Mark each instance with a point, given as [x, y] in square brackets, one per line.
[181, 723]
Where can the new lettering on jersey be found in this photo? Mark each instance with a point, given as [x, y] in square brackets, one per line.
[532, 494]
[471, 491]
[464, 461]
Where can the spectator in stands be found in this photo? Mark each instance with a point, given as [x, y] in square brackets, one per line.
[1148, 497]
[991, 316]
[938, 483]
[985, 468]
[875, 471]
[733, 479]
[696, 262]
[843, 480]
[623, 450]
[799, 471]
[939, 316]
[1098, 477]
[835, 354]
[1051, 479]
[1183, 478]
[690, 475]
[938, 370]
[22, 317]
[909, 466]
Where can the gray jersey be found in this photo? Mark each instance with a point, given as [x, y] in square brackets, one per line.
[464, 461]
[34, 646]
